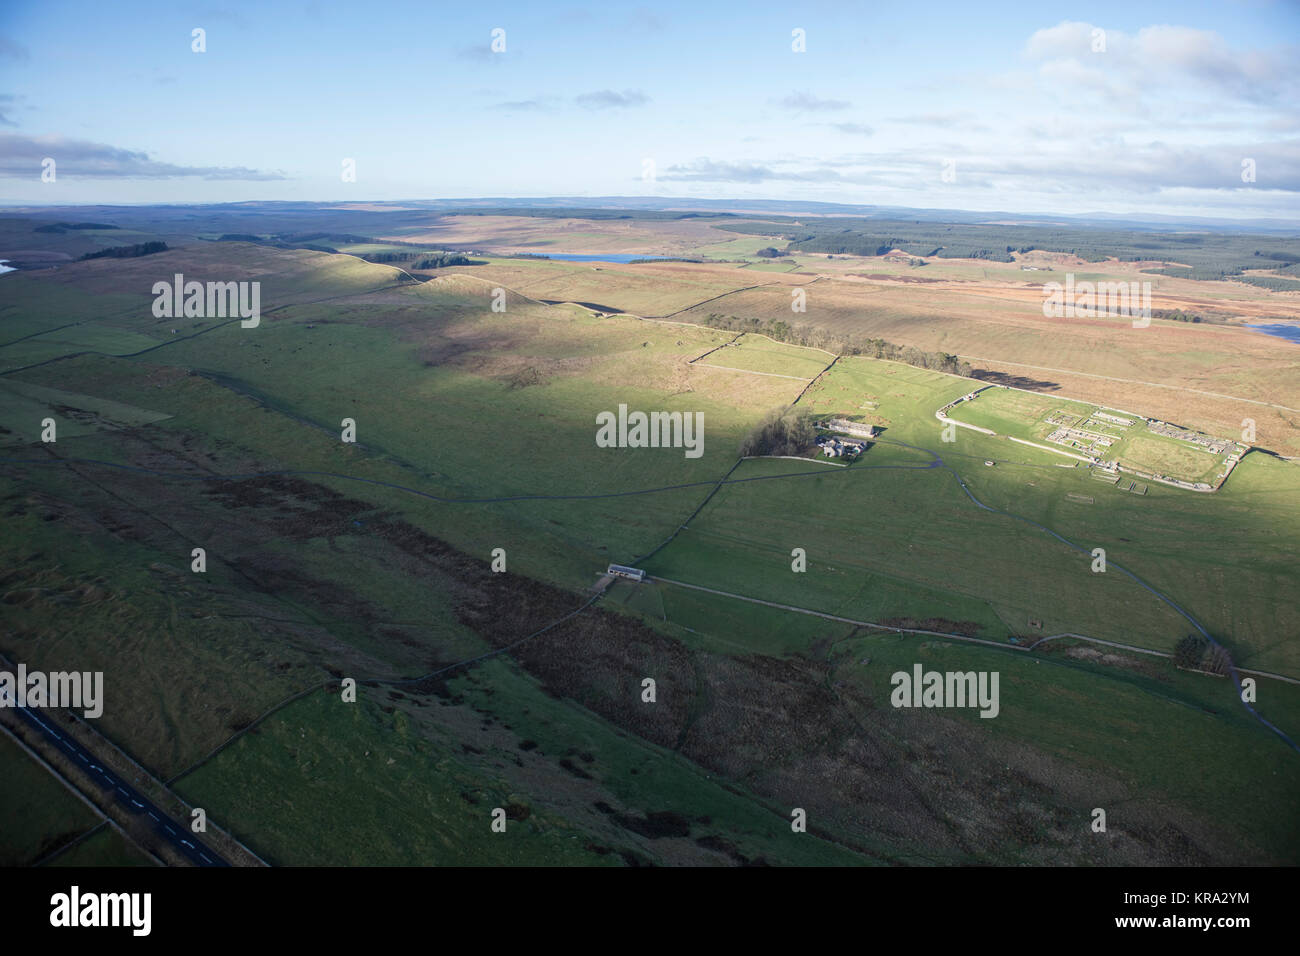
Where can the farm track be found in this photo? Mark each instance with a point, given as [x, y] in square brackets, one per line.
[947, 635]
[750, 371]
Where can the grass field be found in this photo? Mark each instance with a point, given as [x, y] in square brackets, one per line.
[759, 354]
[1162, 456]
[648, 289]
[433, 796]
[475, 431]
[104, 848]
[37, 814]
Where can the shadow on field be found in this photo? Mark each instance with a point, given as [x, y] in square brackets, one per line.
[1014, 381]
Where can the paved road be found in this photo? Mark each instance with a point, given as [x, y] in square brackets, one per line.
[177, 834]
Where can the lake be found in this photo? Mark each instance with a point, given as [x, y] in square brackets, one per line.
[1289, 332]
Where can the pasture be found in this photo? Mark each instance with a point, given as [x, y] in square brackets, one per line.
[475, 431]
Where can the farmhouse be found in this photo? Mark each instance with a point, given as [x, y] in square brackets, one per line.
[857, 429]
[839, 447]
[623, 571]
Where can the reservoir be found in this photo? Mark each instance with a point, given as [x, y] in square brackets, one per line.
[1289, 332]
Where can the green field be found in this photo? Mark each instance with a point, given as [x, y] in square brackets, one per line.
[758, 354]
[475, 431]
[107, 847]
[38, 815]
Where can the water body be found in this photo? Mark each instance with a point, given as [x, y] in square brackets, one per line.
[1289, 332]
[607, 257]
[6, 268]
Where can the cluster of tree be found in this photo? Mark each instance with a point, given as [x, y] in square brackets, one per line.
[128, 252]
[443, 259]
[634, 262]
[1280, 256]
[1216, 252]
[857, 245]
[869, 246]
[992, 254]
[771, 252]
[1178, 315]
[239, 237]
[389, 257]
[1196, 653]
[1209, 274]
[842, 343]
[65, 226]
[781, 432]
[1272, 283]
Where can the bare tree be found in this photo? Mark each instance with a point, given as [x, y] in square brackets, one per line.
[1189, 651]
[1218, 661]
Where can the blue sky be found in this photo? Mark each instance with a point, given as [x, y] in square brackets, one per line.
[961, 105]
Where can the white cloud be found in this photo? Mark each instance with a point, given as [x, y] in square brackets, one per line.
[21, 156]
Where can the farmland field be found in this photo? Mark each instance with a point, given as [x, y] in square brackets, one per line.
[445, 559]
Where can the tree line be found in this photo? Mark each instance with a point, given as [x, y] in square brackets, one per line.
[65, 226]
[128, 252]
[842, 343]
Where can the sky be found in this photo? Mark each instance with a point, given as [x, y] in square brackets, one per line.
[1181, 108]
